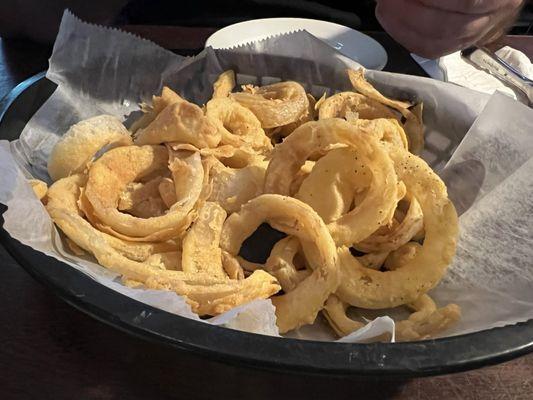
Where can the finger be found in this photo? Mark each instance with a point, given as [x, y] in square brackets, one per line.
[473, 6]
[432, 23]
[429, 33]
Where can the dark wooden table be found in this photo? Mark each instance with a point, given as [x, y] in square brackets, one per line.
[49, 350]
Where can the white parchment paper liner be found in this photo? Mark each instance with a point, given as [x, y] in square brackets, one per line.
[102, 70]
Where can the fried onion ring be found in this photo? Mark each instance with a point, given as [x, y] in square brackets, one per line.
[426, 320]
[341, 104]
[413, 125]
[108, 178]
[238, 126]
[64, 194]
[76, 148]
[159, 103]
[381, 197]
[366, 288]
[301, 305]
[275, 105]
[206, 294]
[181, 122]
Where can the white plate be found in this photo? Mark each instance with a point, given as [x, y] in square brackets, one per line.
[353, 44]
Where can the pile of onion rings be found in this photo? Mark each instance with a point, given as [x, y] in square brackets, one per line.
[169, 203]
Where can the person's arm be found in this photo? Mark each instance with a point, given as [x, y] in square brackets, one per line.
[432, 28]
[39, 20]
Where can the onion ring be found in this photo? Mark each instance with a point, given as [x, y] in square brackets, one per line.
[413, 125]
[426, 320]
[366, 288]
[301, 305]
[238, 126]
[64, 194]
[275, 105]
[159, 103]
[312, 137]
[108, 178]
[206, 295]
[76, 148]
[341, 104]
[182, 122]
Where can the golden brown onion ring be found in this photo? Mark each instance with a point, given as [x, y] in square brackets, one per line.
[313, 137]
[301, 305]
[275, 105]
[108, 178]
[159, 103]
[76, 148]
[341, 104]
[64, 194]
[237, 125]
[206, 294]
[181, 122]
[366, 288]
[413, 125]
[330, 186]
[426, 321]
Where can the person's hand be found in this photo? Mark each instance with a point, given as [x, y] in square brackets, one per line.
[432, 28]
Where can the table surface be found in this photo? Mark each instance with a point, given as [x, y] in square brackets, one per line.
[51, 351]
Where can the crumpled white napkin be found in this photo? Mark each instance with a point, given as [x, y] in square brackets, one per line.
[453, 68]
